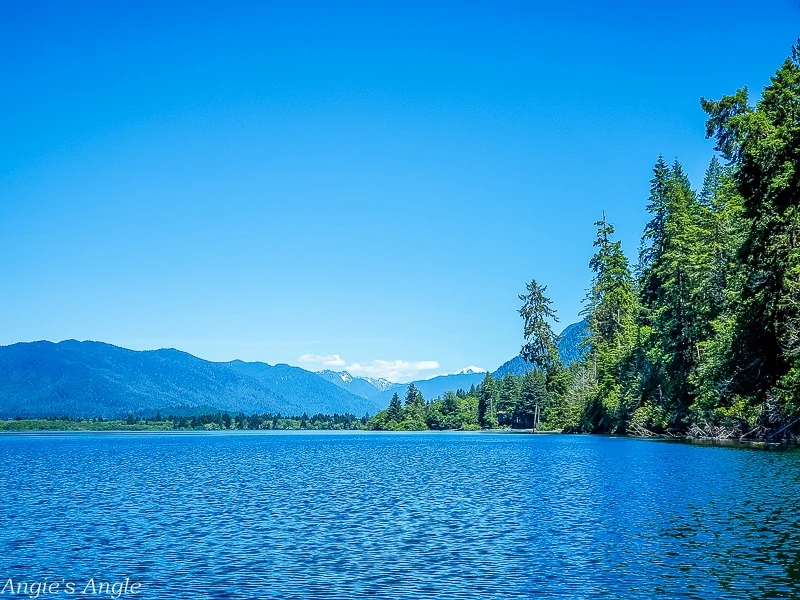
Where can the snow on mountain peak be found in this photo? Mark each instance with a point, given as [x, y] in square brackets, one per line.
[380, 383]
[471, 370]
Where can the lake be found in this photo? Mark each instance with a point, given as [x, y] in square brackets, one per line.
[396, 515]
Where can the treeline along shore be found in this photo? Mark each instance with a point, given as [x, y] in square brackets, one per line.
[213, 421]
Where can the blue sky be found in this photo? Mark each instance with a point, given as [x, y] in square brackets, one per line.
[371, 183]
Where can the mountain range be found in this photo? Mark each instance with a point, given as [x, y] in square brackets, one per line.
[366, 387]
[432, 388]
[95, 379]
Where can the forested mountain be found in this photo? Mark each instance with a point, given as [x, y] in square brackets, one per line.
[304, 389]
[570, 342]
[93, 379]
[366, 387]
[569, 349]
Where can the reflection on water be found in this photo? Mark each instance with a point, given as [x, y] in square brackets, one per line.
[344, 515]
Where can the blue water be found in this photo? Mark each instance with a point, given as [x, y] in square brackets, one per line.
[356, 515]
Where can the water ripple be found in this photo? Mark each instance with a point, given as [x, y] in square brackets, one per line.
[387, 516]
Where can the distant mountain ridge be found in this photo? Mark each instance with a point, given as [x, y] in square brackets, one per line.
[432, 388]
[569, 349]
[94, 379]
[366, 387]
[469, 371]
[380, 383]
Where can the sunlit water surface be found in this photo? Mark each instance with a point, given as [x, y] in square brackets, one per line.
[355, 515]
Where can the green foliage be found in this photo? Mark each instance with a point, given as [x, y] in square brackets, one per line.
[508, 397]
[414, 410]
[541, 344]
[455, 410]
[762, 142]
[395, 410]
[706, 338]
[488, 402]
[611, 308]
[651, 417]
[534, 399]
[516, 401]
[570, 411]
[204, 422]
[82, 425]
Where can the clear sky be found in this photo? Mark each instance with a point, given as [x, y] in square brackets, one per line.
[288, 181]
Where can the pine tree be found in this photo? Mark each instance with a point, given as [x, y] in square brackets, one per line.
[540, 347]
[571, 412]
[675, 312]
[645, 355]
[449, 403]
[610, 312]
[395, 411]
[652, 245]
[414, 413]
[671, 272]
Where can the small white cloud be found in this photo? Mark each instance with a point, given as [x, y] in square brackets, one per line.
[393, 370]
[330, 360]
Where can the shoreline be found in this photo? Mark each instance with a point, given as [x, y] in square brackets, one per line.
[727, 443]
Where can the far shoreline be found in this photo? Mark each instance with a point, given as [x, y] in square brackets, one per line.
[136, 430]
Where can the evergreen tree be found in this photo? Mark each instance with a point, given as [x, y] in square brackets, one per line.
[610, 311]
[762, 144]
[716, 295]
[508, 399]
[645, 355]
[652, 245]
[414, 413]
[671, 273]
[395, 410]
[449, 402]
[533, 400]
[571, 412]
[413, 398]
[675, 312]
[540, 347]
[487, 402]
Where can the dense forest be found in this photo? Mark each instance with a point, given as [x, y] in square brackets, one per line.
[213, 421]
[513, 401]
[701, 336]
